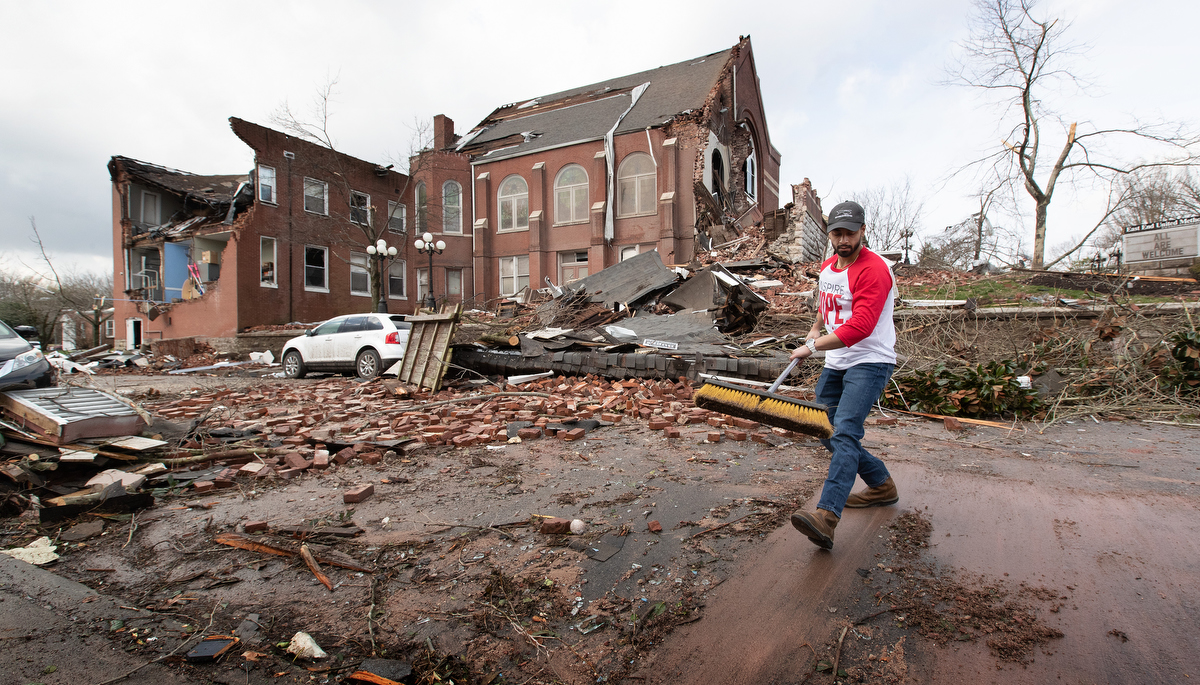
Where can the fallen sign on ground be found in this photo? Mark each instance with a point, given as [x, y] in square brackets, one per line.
[69, 414]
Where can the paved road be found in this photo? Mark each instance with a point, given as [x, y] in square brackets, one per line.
[54, 630]
[1108, 515]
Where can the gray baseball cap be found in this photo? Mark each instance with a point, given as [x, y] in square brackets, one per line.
[847, 215]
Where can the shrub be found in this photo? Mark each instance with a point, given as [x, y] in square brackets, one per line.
[1184, 373]
[986, 389]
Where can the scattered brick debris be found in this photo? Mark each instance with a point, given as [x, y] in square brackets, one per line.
[358, 494]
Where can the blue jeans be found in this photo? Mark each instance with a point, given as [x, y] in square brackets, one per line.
[849, 395]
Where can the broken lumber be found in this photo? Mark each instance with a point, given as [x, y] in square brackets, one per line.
[940, 417]
[121, 504]
[311, 563]
[505, 340]
[243, 542]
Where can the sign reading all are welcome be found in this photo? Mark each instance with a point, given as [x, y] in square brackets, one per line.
[1174, 239]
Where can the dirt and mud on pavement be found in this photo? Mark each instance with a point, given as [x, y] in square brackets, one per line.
[1012, 556]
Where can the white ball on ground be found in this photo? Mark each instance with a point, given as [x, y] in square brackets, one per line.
[577, 527]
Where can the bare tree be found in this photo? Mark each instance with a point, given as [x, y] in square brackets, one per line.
[86, 295]
[367, 221]
[893, 215]
[1019, 58]
[26, 301]
[41, 298]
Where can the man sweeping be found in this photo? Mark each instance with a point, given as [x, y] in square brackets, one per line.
[857, 292]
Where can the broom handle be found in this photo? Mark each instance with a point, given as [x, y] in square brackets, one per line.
[779, 381]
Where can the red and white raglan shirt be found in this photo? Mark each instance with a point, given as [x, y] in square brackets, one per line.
[856, 305]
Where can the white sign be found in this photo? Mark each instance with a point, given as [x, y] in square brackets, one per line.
[660, 344]
[1151, 246]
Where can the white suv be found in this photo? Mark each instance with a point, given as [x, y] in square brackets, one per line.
[365, 344]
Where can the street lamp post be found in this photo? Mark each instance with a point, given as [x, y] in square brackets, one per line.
[425, 244]
[383, 252]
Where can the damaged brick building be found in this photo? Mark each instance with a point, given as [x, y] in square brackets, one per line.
[565, 184]
[213, 255]
[673, 159]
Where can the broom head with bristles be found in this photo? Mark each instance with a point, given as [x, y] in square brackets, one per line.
[791, 414]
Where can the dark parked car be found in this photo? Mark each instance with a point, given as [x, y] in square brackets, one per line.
[20, 363]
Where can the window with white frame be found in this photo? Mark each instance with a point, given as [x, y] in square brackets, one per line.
[360, 274]
[150, 209]
[454, 281]
[514, 274]
[110, 328]
[316, 268]
[750, 173]
[571, 195]
[316, 196]
[636, 185]
[266, 184]
[629, 251]
[266, 262]
[397, 216]
[572, 266]
[398, 280]
[422, 284]
[422, 198]
[514, 204]
[360, 208]
[451, 207]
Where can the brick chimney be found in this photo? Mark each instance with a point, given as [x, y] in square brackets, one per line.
[443, 132]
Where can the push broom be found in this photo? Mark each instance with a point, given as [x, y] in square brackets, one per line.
[809, 418]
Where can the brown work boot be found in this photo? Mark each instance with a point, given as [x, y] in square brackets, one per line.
[817, 525]
[879, 496]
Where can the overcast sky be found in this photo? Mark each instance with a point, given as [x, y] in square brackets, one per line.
[853, 89]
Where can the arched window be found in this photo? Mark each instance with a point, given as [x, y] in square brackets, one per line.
[422, 217]
[571, 195]
[514, 204]
[750, 174]
[718, 176]
[451, 207]
[636, 185]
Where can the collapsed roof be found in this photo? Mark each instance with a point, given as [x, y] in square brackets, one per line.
[211, 190]
[205, 199]
[588, 112]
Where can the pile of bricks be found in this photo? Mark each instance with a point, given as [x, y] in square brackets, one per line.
[251, 468]
[338, 410]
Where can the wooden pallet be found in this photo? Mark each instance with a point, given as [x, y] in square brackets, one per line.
[428, 351]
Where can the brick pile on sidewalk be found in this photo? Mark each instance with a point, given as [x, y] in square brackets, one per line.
[304, 425]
